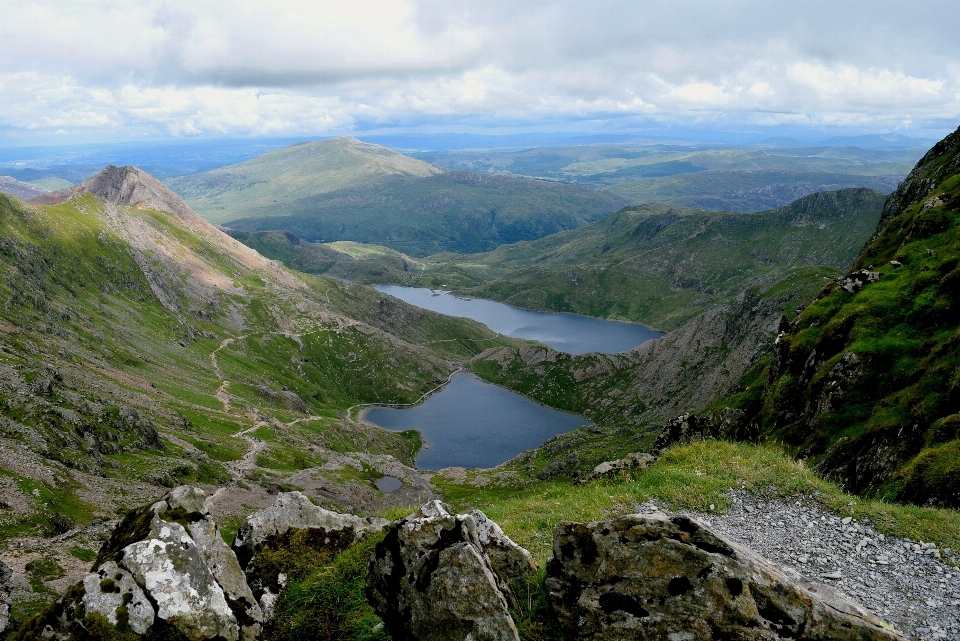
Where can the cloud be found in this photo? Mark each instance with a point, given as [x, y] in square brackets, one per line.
[245, 67]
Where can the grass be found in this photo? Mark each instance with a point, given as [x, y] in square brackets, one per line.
[692, 477]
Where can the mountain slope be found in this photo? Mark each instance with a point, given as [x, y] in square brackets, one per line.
[864, 383]
[456, 211]
[18, 189]
[141, 347]
[656, 264]
[254, 187]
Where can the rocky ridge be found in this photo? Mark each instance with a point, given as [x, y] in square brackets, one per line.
[437, 575]
[19, 189]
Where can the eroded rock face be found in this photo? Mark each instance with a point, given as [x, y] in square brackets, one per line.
[293, 514]
[652, 577]
[430, 580]
[509, 560]
[165, 572]
[172, 571]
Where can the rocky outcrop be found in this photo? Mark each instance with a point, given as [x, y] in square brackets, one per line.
[854, 281]
[431, 580]
[293, 516]
[656, 576]
[128, 186]
[6, 573]
[632, 461]
[164, 571]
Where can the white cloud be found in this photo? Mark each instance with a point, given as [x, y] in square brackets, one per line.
[179, 67]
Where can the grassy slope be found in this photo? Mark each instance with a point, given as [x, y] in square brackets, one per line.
[663, 266]
[894, 427]
[456, 211]
[305, 169]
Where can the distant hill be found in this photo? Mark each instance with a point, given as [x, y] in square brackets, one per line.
[745, 190]
[748, 178]
[264, 185]
[455, 212]
[21, 190]
[343, 189]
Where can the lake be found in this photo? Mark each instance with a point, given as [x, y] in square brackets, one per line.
[470, 423]
[570, 333]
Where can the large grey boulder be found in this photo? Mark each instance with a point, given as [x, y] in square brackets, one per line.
[632, 461]
[293, 517]
[430, 580]
[165, 572]
[652, 577]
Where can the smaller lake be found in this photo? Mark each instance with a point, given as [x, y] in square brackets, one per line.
[570, 333]
[470, 423]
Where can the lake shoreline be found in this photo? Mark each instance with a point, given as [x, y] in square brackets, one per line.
[537, 423]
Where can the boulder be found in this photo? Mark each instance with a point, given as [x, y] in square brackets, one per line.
[113, 593]
[6, 573]
[509, 560]
[165, 572]
[632, 461]
[685, 429]
[657, 576]
[854, 281]
[429, 579]
[292, 516]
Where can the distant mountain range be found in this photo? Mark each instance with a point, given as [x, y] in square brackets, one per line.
[343, 189]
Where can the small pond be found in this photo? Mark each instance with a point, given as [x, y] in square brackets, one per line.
[470, 423]
[570, 333]
[388, 483]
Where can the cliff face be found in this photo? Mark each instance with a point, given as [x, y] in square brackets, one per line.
[866, 381]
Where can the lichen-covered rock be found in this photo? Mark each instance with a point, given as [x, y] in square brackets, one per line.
[293, 517]
[172, 571]
[632, 461]
[652, 577]
[430, 580]
[854, 281]
[113, 593]
[223, 564]
[294, 511]
[509, 560]
[164, 573]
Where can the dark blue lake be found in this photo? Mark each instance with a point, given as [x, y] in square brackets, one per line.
[470, 423]
[570, 333]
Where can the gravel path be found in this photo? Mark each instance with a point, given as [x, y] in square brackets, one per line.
[913, 586]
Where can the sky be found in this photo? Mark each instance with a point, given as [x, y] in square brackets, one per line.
[118, 70]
